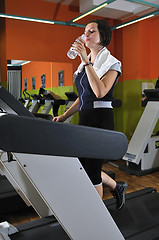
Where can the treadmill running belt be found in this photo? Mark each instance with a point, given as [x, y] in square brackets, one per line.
[139, 218]
[42, 229]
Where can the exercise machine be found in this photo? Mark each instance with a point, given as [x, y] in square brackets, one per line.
[50, 101]
[142, 156]
[71, 98]
[138, 219]
[46, 100]
[54, 101]
[38, 100]
[63, 157]
[81, 209]
[34, 108]
[26, 100]
[9, 197]
[80, 212]
[10, 201]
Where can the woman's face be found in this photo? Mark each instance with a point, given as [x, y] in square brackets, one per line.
[92, 35]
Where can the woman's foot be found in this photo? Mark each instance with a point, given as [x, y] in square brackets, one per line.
[119, 194]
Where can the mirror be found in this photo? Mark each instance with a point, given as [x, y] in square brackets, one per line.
[33, 75]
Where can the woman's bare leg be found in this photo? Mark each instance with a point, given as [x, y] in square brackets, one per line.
[99, 189]
[108, 180]
[118, 189]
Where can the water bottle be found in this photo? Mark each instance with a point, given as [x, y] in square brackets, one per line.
[71, 53]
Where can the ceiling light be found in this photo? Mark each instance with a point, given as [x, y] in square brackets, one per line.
[92, 10]
[40, 20]
[26, 18]
[25, 63]
[136, 20]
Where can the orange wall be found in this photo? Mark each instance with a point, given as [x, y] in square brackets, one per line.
[149, 48]
[68, 73]
[36, 69]
[3, 57]
[140, 50]
[135, 45]
[39, 41]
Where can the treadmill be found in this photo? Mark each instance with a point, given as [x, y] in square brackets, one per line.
[139, 218]
[9, 198]
[142, 156]
[81, 213]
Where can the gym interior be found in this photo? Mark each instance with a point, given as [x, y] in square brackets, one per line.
[36, 80]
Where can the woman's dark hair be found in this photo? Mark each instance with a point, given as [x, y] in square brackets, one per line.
[104, 30]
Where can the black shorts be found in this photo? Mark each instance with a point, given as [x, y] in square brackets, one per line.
[99, 118]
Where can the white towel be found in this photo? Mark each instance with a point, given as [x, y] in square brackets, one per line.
[102, 64]
[6, 229]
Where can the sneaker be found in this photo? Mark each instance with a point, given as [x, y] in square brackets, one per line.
[119, 194]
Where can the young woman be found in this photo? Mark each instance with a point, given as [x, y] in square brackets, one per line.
[95, 79]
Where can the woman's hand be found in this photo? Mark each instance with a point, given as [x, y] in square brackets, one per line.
[61, 118]
[79, 47]
[73, 109]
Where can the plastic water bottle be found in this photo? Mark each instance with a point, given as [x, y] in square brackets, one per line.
[71, 53]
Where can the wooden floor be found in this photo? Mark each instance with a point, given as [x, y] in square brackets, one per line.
[134, 183]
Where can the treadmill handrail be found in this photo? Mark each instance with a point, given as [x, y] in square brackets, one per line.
[59, 139]
[11, 105]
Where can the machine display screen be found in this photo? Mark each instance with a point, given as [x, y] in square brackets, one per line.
[157, 144]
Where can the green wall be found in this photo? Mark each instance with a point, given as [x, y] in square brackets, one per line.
[128, 115]
[4, 84]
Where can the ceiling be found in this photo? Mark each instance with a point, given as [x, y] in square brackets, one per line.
[119, 9]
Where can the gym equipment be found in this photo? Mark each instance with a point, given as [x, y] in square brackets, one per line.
[50, 100]
[37, 102]
[71, 99]
[26, 101]
[8, 104]
[142, 156]
[81, 199]
[34, 108]
[9, 198]
[139, 219]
